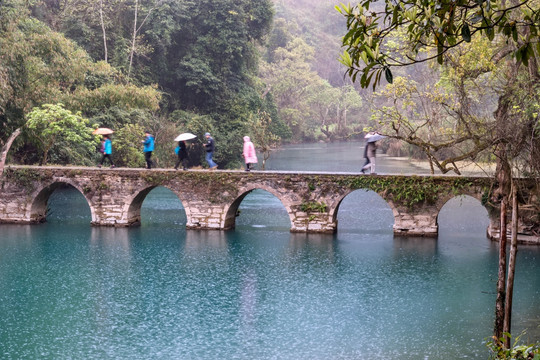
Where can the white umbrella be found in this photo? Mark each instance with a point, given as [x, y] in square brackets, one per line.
[375, 137]
[102, 131]
[185, 136]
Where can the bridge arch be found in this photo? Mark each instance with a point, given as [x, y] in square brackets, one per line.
[444, 199]
[131, 212]
[335, 211]
[467, 217]
[37, 211]
[231, 210]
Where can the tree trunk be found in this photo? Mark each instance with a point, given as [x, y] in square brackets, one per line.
[507, 324]
[499, 303]
[6, 147]
[46, 151]
[133, 39]
[266, 91]
[103, 29]
[504, 179]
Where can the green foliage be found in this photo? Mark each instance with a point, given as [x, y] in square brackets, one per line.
[289, 76]
[417, 113]
[261, 136]
[67, 135]
[127, 150]
[433, 27]
[517, 352]
[411, 190]
[314, 207]
[165, 131]
[199, 125]
[115, 117]
[115, 95]
[201, 54]
[37, 66]
[27, 178]
[307, 103]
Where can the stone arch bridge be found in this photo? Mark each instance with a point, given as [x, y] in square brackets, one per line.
[211, 199]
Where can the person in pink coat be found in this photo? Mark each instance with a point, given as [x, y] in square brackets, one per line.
[249, 154]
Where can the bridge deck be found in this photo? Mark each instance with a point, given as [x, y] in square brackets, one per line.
[286, 172]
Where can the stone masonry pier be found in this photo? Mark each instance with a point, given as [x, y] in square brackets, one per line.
[211, 198]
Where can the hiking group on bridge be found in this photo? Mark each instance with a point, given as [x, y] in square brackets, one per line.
[249, 154]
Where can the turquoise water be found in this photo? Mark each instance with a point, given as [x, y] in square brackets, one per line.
[72, 291]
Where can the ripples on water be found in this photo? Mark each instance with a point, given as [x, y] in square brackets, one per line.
[71, 291]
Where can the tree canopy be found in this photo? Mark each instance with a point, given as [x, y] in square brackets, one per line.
[431, 29]
[53, 126]
[40, 66]
[405, 33]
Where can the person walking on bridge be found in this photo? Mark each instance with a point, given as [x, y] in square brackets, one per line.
[371, 150]
[210, 148]
[106, 150]
[249, 154]
[148, 143]
[181, 151]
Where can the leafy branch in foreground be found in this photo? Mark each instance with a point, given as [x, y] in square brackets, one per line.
[432, 28]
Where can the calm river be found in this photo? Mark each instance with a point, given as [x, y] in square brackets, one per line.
[72, 291]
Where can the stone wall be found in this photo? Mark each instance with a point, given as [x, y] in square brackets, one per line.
[211, 199]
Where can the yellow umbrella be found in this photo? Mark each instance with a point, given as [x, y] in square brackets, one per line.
[102, 131]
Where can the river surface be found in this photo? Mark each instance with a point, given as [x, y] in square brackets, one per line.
[72, 291]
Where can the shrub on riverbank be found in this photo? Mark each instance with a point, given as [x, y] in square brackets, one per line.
[517, 352]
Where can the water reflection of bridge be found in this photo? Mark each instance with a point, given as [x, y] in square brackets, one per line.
[211, 199]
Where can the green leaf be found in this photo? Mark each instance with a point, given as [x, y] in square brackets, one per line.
[377, 78]
[524, 55]
[477, 18]
[388, 75]
[466, 33]
[490, 33]
[369, 52]
[518, 55]
[395, 14]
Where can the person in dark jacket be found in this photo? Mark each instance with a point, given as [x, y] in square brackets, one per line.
[210, 147]
[181, 151]
[371, 150]
[365, 157]
[106, 149]
[148, 143]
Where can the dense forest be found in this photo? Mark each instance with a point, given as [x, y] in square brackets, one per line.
[227, 67]
[268, 69]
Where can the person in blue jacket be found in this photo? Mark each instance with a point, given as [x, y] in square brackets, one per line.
[106, 150]
[148, 148]
[210, 147]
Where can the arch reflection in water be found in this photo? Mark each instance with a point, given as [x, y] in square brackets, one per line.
[203, 240]
[111, 237]
[364, 212]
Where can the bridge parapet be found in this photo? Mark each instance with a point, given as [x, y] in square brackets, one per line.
[211, 199]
